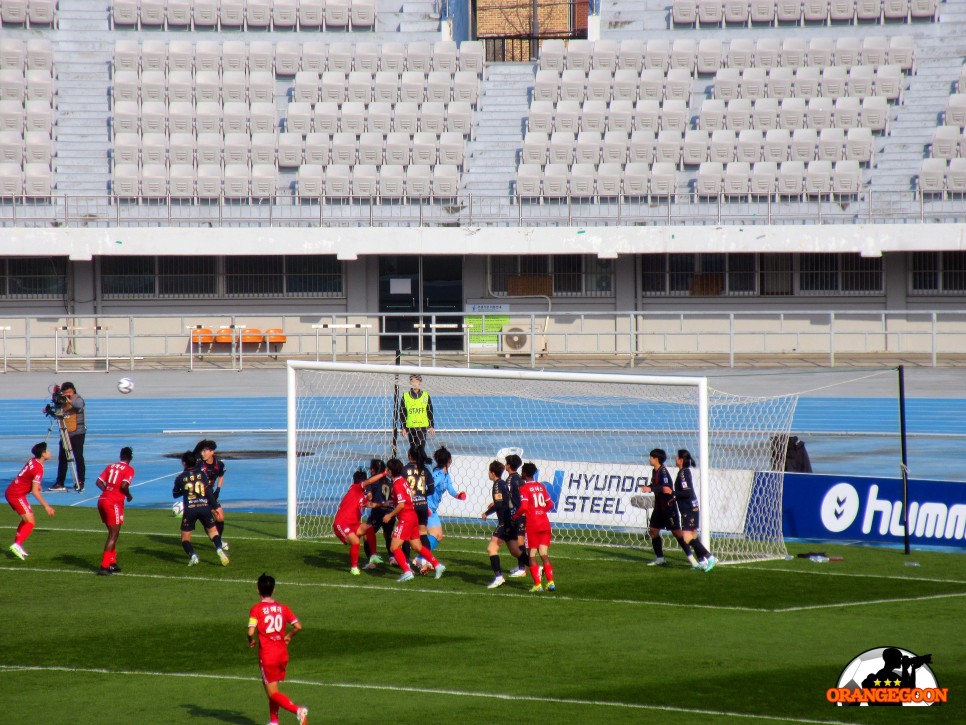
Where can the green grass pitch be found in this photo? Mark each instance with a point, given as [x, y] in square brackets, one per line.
[617, 643]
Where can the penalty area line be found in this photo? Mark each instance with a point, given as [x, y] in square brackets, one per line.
[896, 600]
[427, 691]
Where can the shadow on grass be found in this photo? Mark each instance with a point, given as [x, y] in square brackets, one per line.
[77, 562]
[229, 716]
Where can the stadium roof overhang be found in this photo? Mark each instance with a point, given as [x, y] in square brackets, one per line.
[350, 243]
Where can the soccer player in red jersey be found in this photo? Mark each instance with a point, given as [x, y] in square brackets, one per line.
[115, 483]
[271, 620]
[535, 502]
[407, 524]
[28, 481]
[348, 519]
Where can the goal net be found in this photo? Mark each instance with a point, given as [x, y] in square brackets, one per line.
[588, 434]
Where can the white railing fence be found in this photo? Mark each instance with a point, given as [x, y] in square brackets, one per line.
[220, 341]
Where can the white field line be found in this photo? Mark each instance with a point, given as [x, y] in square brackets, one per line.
[764, 566]
[368, 686]
[896, 600]
[362, 586]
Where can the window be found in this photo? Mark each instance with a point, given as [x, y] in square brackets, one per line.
[35, 277]
[745, 275]
[249, 276]
[840, 273]
[566, 275]
[699, 275]
[938, 272]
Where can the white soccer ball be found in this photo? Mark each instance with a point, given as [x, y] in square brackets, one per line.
[125, 385]
[177, 508]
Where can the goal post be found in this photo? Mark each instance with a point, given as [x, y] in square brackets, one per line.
[588, 433]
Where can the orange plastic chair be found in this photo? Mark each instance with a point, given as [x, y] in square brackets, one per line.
[275, 338]
[225, 335]
[202, 336]
[252, 336]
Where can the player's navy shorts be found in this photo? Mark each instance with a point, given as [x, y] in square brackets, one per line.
[198, 513]
[521, 526]
[422, 515]
[689, 521]
[213, 503]
[507, 533]
[664, 520]
[375, 517]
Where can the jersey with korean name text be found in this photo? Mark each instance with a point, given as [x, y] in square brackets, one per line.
[32, 472]
[535, 502]
[420, 484]
[194, 488]
[349, 513]
[116, 477]
[271, 620]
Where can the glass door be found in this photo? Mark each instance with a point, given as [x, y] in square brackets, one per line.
[414, 289]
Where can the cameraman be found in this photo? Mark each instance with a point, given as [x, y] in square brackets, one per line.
[76, 424]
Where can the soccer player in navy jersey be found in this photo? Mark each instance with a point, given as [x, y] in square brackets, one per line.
[214, 468]
[193, 488]
[379, 495]
[513, 481]
[686, 505]
[505, 531]
[535, 503]
[268, 627]
[420, 485]
[660, 484]
[407, 525]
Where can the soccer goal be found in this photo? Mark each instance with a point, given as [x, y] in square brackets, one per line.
[589, 435]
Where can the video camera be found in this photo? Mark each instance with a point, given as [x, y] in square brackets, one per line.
[55, 408]
[915, 662]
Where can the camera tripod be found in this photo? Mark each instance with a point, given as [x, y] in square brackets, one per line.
[67, 446]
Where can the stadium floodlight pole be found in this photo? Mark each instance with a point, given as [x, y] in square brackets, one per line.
[904, 466]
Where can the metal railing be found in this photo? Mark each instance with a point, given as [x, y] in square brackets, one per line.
[527, 339]
[869, 206]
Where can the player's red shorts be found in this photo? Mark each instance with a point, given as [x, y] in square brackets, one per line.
[342, 530]
[536, 539]
[112, 514]
[273, 671]
[407, 528]
[19, 504]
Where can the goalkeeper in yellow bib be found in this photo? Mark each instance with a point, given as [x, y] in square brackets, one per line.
[416, 415]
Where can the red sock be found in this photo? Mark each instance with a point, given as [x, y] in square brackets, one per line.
[428, 556]
[548, 572]
[282, 701]
[23, 531]
[106, 560]
[114, 556]
[272, 713]
[401, 559]
[535, 573]
[371, 540]
[354, 555]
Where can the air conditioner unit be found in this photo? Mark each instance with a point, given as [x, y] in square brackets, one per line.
[515, 341]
